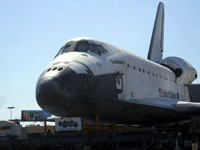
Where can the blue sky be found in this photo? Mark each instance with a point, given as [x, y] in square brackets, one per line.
[32, 32]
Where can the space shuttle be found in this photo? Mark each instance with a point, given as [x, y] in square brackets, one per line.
[89, 77]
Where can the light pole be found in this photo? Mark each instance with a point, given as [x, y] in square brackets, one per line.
[11, 116]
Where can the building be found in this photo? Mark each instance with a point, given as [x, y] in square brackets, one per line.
[10, 128]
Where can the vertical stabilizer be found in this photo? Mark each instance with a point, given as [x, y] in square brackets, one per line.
[157, 39]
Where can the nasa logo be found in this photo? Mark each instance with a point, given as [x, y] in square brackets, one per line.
[119, 81]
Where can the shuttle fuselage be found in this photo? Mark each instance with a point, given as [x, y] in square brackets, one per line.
[89, 77]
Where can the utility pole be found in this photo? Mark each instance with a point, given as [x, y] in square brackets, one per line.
[11, 116]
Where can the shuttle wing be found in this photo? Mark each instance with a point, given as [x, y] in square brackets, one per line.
[156, 46]
[178, 106]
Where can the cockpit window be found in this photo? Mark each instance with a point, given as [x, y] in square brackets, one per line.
[63, 49]
[82, 46]
[94, 48]
[102, 49]
[66, 48]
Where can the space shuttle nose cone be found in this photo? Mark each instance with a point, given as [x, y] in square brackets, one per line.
[47, 92]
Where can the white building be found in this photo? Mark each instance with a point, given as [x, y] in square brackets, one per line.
[10, 128]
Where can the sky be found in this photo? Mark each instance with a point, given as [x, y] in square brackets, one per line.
[32, 32]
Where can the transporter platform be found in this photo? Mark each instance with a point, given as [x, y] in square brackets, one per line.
[100, 139]
[116, 137]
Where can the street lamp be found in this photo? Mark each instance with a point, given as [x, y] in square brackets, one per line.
[11, 116]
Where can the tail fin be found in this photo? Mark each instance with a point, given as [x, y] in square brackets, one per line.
[157, 39]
